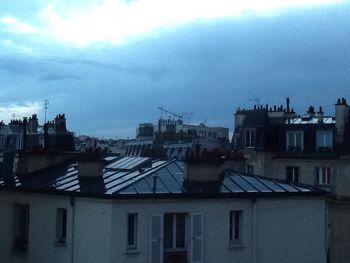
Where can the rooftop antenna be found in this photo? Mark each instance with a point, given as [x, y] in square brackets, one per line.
[46, 106]
[164, 111]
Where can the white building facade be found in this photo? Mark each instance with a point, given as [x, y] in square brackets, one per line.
[147, 214]
[269, 230]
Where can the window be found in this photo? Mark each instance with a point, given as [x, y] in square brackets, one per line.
[174, 231]
[21, 227]
[324, 140]
[61, 225]
[132, 231]
[235, 226]
[250, 169]
[323, 175]
[293, 174]
[249, 138]
[295, 141]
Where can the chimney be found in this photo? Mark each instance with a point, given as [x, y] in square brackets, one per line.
[33, 124]
[60, 123]
[46, 136]
[311, 111]
[25, 124]
[8, 162]
[288, 104]
[90, 164]
[320, 115]
[240, 116]
[30, 162]
[205, 173]
[90, 168]
[341, 116]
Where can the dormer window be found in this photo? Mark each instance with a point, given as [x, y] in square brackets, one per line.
[249, 138]
[324, 140]
[295, 141]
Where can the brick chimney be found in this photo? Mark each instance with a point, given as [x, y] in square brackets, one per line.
[33, 124]
[320, 115]
[311, 111]
[204, 171]
[60, 123]
[7, 164]
[90, 164]
[342, 117]
[30, 162]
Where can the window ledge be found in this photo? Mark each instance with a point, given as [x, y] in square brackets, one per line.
[236, 245]
[132, 251]
[60, 243]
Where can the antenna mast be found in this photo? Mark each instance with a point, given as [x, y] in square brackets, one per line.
[46, 106]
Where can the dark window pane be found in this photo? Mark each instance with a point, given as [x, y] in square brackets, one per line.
[237, 224]
[168, 231]
[131, 230]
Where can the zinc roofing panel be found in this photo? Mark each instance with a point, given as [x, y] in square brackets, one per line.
[142, 187]
[257, 184]
[243, 184]
[231, 186]
[275, 187]
[287, 187]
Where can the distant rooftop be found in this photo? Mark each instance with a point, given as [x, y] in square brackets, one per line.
[310, 120]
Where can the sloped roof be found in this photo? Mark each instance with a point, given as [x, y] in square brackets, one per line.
[310, 120]
[126, 177]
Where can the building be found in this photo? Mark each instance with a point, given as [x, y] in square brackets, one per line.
[173, 138]
[135, 209]
[279, 143]
[313, 148]
[28, 135]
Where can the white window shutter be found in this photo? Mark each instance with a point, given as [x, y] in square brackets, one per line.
[196, 238]
[156, 240]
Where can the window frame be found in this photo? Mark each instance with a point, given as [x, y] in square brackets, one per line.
[21, 227]
[131, 235]
[235, 227]
[61, 225]
[292, 146]
[294, 176]
[250, 169]
[175, 219]
[249, 138]
[323, 175]
[321, 135]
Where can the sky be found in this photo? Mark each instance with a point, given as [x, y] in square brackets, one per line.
[109, 64]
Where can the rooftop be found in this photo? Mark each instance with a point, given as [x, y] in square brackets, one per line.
[136, 177]
[311, 120]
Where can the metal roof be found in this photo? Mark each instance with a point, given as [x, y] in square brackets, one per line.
[162, 177]
[310, 120]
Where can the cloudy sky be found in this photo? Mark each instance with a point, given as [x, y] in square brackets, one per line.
[109, 64]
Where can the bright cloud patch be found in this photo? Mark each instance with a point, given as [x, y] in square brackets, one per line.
[16, 111]
[14, 25]
[114, 21]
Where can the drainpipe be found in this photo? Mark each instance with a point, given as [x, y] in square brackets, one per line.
[72, 203]
[254, 230]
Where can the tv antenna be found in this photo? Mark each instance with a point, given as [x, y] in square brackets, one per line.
[46, 106]
[183, 116]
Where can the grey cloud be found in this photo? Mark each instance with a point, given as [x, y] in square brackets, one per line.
[152, 72]
[57, 77]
